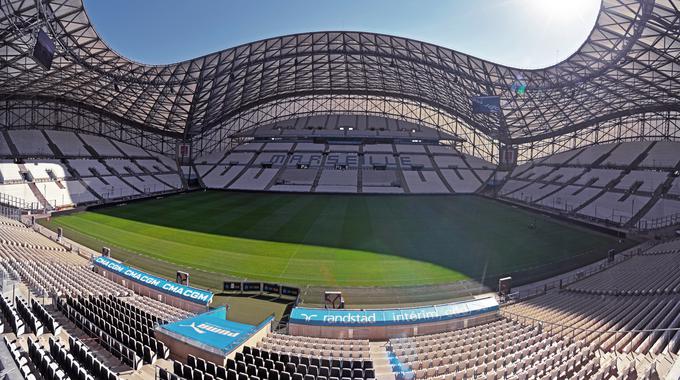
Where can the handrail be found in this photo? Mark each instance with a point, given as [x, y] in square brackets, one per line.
[580, 329]
[562, 282]
[656, 223]
[571, 332]
[568, 331]
[19, 203]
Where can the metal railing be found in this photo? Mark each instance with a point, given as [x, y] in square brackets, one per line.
[656, 223]
[571, 332]
[567, 280]
[18, 203]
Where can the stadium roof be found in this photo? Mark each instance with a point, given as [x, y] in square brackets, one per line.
[628, 65]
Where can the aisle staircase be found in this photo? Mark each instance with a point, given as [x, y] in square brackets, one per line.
[386, 365]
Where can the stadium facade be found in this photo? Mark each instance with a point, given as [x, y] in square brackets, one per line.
[622, 84]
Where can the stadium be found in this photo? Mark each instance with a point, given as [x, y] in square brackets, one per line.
[339, 206]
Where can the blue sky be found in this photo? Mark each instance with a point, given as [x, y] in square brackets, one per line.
[520, 33]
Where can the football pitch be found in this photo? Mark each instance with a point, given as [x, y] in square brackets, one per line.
[334, 240]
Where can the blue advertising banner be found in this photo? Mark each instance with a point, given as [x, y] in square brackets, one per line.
[383, 317]
[213, 329]
[188, 293]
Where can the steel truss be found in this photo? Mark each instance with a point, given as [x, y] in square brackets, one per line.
[646, 126]
[628, 66]
[475, 143]
[47, 114]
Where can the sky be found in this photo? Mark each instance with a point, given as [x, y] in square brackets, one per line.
[519, 33]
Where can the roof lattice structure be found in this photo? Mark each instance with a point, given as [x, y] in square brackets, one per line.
[628, 65]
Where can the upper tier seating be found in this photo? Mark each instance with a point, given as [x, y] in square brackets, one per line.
[309, 147]
[238, 158]
[373, 148]
[273, 159]
[249, 147]
[346, 126]
[168, 162]
[664, 154]
[478, 163]
[131, 150]
[210, 158]
[4, 147]
[30, 142]
[68, 143]
[625, 154]
[560, 158]
[591, 154]
[103, 146]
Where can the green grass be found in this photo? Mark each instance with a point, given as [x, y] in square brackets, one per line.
[333, 240]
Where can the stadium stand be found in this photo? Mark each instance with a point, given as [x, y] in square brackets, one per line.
[497, 350]
[30, 142]
[68, 143]
[347, 163]
[336, 348]
[278, 365]
[343, 112]
[516, 344]
[21, 359]
[131, 150]
[101, 146]
[61, 177]
[603, 183]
